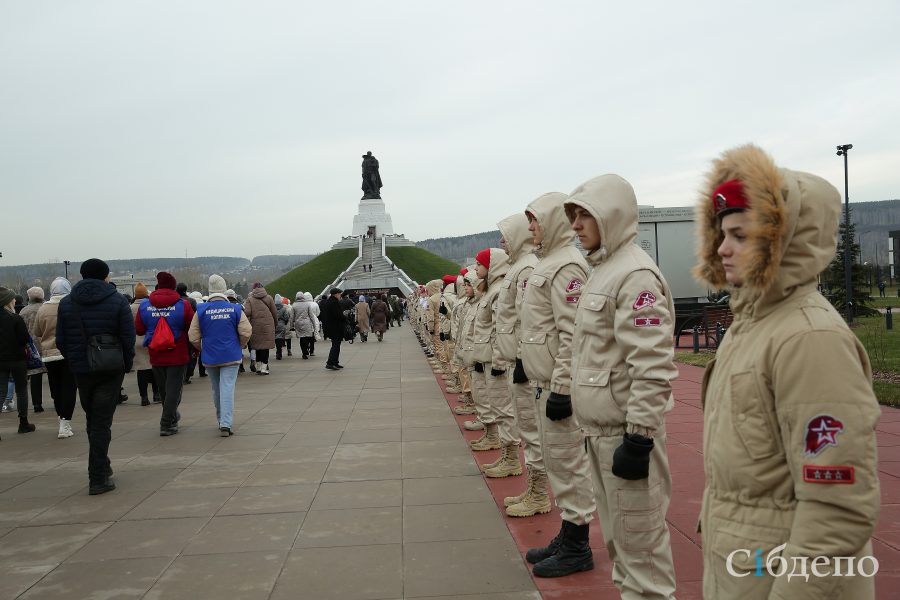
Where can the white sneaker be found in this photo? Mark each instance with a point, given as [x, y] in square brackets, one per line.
[65, 430]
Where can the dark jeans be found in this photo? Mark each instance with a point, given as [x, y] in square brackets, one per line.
[63, 388]
[170, 381]
[262, 356]
[37, 389]
[99, 393]
[189, 370]
[18, 373]
[312, 346]
[279, 344]
[306, 345]
[335, 354]
[144, 378]
[287, 342]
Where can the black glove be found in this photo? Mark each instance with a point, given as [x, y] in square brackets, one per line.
[479, 367]
[442, 310]
[631, 460]
[559, 406]
[519, 375]
[442, 336]
[497, 372]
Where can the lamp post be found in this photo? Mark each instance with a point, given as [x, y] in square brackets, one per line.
[66, 264]
[842, 150]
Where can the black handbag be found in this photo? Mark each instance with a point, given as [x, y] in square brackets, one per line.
[103, 351]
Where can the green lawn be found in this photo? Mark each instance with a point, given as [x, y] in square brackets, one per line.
[883, 347]
[314, 275]
[421, 265]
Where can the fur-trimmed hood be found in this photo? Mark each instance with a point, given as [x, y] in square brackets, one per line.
[792, 234]
[611, 201]
[514, 230]
[551, 216]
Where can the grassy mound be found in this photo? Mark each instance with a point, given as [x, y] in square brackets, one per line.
[314, 275]
[421, 265]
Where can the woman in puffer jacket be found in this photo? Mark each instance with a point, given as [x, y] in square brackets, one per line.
[282, 325]
[304, 323]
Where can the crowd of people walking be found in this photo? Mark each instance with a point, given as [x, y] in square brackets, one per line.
[88, 337]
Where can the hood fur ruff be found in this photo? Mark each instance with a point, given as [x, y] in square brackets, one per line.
[793, 224]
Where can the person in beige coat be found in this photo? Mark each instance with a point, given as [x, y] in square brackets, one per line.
[491, 264]
[789, 413]
[260, 309]
[458, 317]
[465, 349]
[548, 323]
[622, 369]
[362, 318]
[141, 355]
[517, 241]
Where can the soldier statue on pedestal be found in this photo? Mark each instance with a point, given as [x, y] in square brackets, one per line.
[371, 179]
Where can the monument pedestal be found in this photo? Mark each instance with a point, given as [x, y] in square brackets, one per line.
[372, 214]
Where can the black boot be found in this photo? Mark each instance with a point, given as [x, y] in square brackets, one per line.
[574, 553]
[536, 555]
[25, 426]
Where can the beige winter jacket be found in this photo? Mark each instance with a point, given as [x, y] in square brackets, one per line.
[465, 345]
[260, 309]
[44, 332]
[789, 411]
[432, 316]
[622, 360]
[551, 296]
[485, 332]
[448, 301]
[522, 260]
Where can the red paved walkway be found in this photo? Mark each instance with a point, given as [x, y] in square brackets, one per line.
[685, 444]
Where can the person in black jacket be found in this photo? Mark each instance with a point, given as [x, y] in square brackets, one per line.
[333, 323]
[94, 308]
[13, 339]
[181, 288]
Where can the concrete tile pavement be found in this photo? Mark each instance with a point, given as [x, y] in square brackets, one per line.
[351, 484]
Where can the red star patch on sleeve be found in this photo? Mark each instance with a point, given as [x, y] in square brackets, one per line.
[821, 432]
[647, 322]
[645, 299]
[574, 285]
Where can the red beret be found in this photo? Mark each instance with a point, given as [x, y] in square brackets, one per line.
[463, 271]
[448, 279]
[165, 280]
[729, 197]
[484, 258]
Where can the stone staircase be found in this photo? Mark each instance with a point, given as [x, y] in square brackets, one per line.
[384, 274]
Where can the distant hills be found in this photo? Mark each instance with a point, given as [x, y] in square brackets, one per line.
[193, 271]
[873, 222]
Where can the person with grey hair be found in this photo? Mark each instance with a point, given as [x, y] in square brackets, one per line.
[35, 378]
[63, 389]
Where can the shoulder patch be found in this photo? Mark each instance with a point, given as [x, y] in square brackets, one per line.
[572, 299]
[647, 322]
[821, 432]
[574, 285]
[645, 299]
[828, 474]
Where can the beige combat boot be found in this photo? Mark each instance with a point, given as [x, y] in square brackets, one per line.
[466, 408]
[473, 425]
[535, 500]
[489, 441]
[507, 465]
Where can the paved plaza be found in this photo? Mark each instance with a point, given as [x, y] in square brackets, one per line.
[344, 485]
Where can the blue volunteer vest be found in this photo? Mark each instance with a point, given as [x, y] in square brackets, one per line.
[150, 316]
[219, 328]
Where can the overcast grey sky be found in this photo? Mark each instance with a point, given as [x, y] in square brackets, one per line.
[151, 128]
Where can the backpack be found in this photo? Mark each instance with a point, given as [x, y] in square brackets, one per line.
[163, 338]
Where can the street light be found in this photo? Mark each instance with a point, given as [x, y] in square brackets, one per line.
[67, 263]
[842, 150]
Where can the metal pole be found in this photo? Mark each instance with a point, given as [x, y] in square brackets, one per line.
[848, 242]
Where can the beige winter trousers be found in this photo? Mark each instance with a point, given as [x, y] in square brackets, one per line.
[525, 411]
[633, 518]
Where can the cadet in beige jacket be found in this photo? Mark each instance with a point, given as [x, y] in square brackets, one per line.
[448, 300]
[622, 368]
[548, 321]
[492, 264]
[467, 353]
[467, 406]
[790, 416]
[432, 323]
[516, 240]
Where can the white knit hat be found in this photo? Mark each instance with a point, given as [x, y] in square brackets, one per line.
[217, 285]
